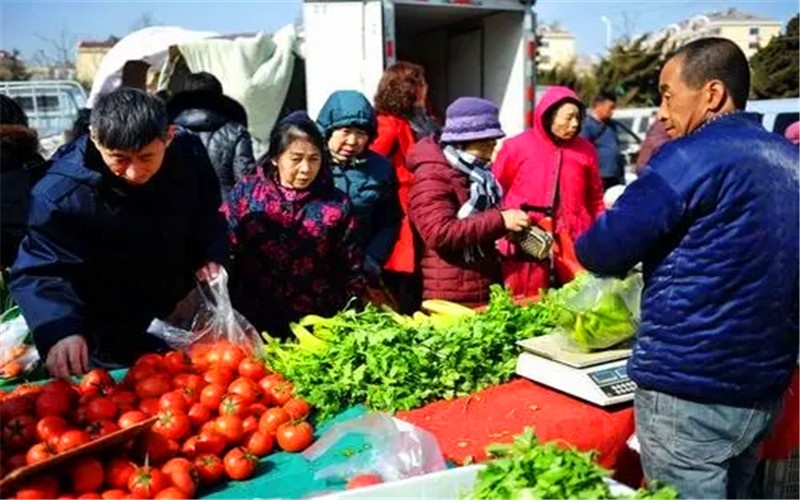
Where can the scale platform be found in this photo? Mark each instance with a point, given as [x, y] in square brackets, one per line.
[598, 377]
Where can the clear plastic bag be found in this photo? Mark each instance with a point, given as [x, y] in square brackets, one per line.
[595, 313]
[394, 450]
[214, 320]
[16, 356]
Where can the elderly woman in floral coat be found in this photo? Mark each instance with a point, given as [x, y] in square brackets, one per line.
[292, 233]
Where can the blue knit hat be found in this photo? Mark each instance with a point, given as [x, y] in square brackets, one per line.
[471, 119]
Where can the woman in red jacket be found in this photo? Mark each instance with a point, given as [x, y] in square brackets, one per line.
[454, 205]
[549, 165]
[402, 121]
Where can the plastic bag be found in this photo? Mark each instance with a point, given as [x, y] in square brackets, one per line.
[214, 321]
[16, 356]
[394, 450]
[596, 313]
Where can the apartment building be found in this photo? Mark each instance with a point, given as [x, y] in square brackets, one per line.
[556, 46]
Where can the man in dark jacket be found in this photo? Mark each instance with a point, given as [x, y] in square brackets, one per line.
[119, 227]
[220, 122]
[601, 131]
[714, 219]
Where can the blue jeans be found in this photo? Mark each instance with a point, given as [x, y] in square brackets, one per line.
[704, 451]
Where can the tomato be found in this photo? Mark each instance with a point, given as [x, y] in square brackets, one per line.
[172, 400]
[118, 471]
[198, 354]
[172, 424]
[101, 428]
[189, 381]
[182, 474]
[97, 382]
[272, 419]
[239, 464]
[146, 482]
[149, 406]
[54, 403]
[259, 443]
[230, 426]
[39, 453]
[38, 487]
[101, 409]
[210, 468]
[297, 408]
[19, 432]
[189, 447]
[157, 447]
[246, 389]
[210, 442]
[17, 461]
[125, 400]
[293, 437]
[57, 385]
[15, 406]
[177, 362]
[252, 369]
[151, 360]
[250, 424]
[153, 387]
[221, 376]
[209, 426]
[233, 405]
[90, 496]
[231, 356]
[211, 396]
[363, 480]
[67, 496]
[131, 418]
[116, 494]
[81, 417]
[172, 492]
[136, 374]
[198, 415]
[268, 382]
[86, 475]
[257, 409]
[282, 392]
[72, 439]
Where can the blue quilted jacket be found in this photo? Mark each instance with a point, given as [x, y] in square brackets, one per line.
[714, 220]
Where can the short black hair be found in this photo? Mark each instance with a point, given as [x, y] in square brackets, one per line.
[716, 58]
[296, 125]
[128, 119]
[203, 82]
[603, 96]
[11, 113]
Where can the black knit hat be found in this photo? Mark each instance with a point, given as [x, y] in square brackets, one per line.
[11, 113]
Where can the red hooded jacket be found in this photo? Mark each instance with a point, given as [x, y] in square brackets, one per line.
[526, 167]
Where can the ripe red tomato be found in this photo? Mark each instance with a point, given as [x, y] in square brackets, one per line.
[252, 369]
[101, 428]
[54, 403]
[220, 376]
[38, 488]
[259, 443]
[101, 409]
[125, 400]
[170, 493]
[249, 391]
[118, 471]
[233, 405]
[172, 424]
[158, 448]
[239, 464]
[146, 482]
[272, 419]
[172, 400]
[210, 442]
[116, 494]
[39, 453]
[19, 432]
[257, 409]
[297, 408]
[177, 362]
[210, 468]
[198, 415]
[90, 496]
[295, 437]
[249, 424]
[230, 357]
[282, 392]
[151, 360]
[363, 480]
[182, 474]
[230, 426]
[72, 439]
[211, 396]
[208, 427]
[86, 475]
[97, 382]
[268, 382]
[131, 418]
[198, 354]
[14, 462]
[153, 387]
[136, 374]
[14, 406]
[190, 381]
[149, 406]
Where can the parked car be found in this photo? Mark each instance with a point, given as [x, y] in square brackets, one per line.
[51, 105]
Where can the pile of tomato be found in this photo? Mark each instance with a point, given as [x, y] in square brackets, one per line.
[218, 411]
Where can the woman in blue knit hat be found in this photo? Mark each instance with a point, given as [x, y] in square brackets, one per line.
[454, 205]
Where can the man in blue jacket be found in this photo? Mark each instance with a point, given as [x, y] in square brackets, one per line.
[119, 227]
[714, 220]
[601, 131]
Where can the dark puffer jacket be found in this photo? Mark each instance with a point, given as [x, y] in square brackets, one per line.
[221, 124]
[714, 220]
[437, 192]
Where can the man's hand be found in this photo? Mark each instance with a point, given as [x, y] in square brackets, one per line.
[69, 356]
[208, 272]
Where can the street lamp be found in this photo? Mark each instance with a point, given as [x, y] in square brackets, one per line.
[607, 22]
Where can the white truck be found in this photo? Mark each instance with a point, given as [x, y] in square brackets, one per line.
[482, 48]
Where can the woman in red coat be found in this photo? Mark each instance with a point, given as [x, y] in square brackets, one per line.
[402, 122]
[526, 168]
[454, 205]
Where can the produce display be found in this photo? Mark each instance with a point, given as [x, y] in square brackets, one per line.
[393, 362]
[528, 469]
[217, 412]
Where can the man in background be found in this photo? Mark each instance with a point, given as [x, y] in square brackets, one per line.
[600, 130]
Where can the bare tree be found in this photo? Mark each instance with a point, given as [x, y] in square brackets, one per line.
[628, 26]
[60, 51]
[145, 20]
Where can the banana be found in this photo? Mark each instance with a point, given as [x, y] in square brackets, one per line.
[446, 308]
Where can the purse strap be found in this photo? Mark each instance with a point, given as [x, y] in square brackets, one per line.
[551, 209]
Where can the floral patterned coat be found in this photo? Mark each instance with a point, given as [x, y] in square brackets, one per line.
[294, 251]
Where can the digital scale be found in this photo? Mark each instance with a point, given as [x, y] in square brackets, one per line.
[598, 377]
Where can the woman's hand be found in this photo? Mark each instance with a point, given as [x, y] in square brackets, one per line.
[515, 220]
[208, 272]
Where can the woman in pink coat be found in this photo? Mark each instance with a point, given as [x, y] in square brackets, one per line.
[526, 168]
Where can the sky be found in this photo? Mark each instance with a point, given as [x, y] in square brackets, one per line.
[32, 26]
